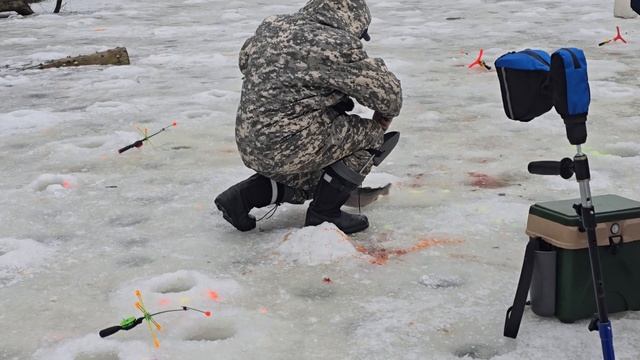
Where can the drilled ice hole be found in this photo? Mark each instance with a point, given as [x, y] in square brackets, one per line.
[128, 220]
[218, 331]
[176, 285]
[134, 261]
[625, 149]
[315, 292]
[441, 282]
[6, 248]
[476, 351]
[44, 181]
[92, 143]
[104, 355]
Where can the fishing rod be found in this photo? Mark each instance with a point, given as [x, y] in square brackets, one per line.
[131, 322]
[139, 143]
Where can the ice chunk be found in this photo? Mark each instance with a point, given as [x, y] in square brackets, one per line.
[315, 245]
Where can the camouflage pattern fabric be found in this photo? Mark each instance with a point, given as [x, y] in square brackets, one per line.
[296, 68]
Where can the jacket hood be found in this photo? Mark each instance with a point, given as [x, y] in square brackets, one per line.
[352, 16]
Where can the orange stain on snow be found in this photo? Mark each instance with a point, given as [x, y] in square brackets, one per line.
[213, 295]
[164, 302]
[380, 256]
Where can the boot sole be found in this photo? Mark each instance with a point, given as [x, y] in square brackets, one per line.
[351, 230]
[230, 220]
[356, 229]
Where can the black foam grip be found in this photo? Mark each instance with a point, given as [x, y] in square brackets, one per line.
[128, 147]
[545, 167]
[137, 144]
[582, 169]
[110, 331]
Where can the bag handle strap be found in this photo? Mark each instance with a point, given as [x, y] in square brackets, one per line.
[514, 314]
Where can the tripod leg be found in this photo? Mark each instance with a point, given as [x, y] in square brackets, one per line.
[589, 222]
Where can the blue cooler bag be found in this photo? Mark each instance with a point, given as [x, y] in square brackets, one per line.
[524, 83]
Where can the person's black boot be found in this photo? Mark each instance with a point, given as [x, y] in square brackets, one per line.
[331, 193]
[237, 201]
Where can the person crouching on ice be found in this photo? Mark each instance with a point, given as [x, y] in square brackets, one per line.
[292, 127]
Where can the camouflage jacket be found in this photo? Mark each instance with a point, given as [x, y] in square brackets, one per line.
[296, 67]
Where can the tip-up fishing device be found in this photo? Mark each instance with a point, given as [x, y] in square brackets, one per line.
[139, 143]
[616, 38]
[480, 62]
[131, 322]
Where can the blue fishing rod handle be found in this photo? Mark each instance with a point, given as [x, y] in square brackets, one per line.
[606, 337]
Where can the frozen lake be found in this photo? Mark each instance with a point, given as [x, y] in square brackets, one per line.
[82, 227]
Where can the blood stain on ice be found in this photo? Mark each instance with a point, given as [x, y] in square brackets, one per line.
[380, 256]
[485, 181]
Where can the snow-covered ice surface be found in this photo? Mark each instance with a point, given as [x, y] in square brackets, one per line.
[83, 227]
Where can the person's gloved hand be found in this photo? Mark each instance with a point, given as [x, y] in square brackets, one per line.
[382, 120]
[344, 106]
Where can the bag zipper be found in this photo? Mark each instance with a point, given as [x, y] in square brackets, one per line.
[535, 55]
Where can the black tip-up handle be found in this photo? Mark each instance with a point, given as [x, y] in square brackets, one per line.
[110, 331]
[563, 168]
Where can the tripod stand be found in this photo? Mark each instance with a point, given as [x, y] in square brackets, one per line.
[580, 166]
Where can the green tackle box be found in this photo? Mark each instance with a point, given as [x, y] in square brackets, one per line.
[561, 283]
